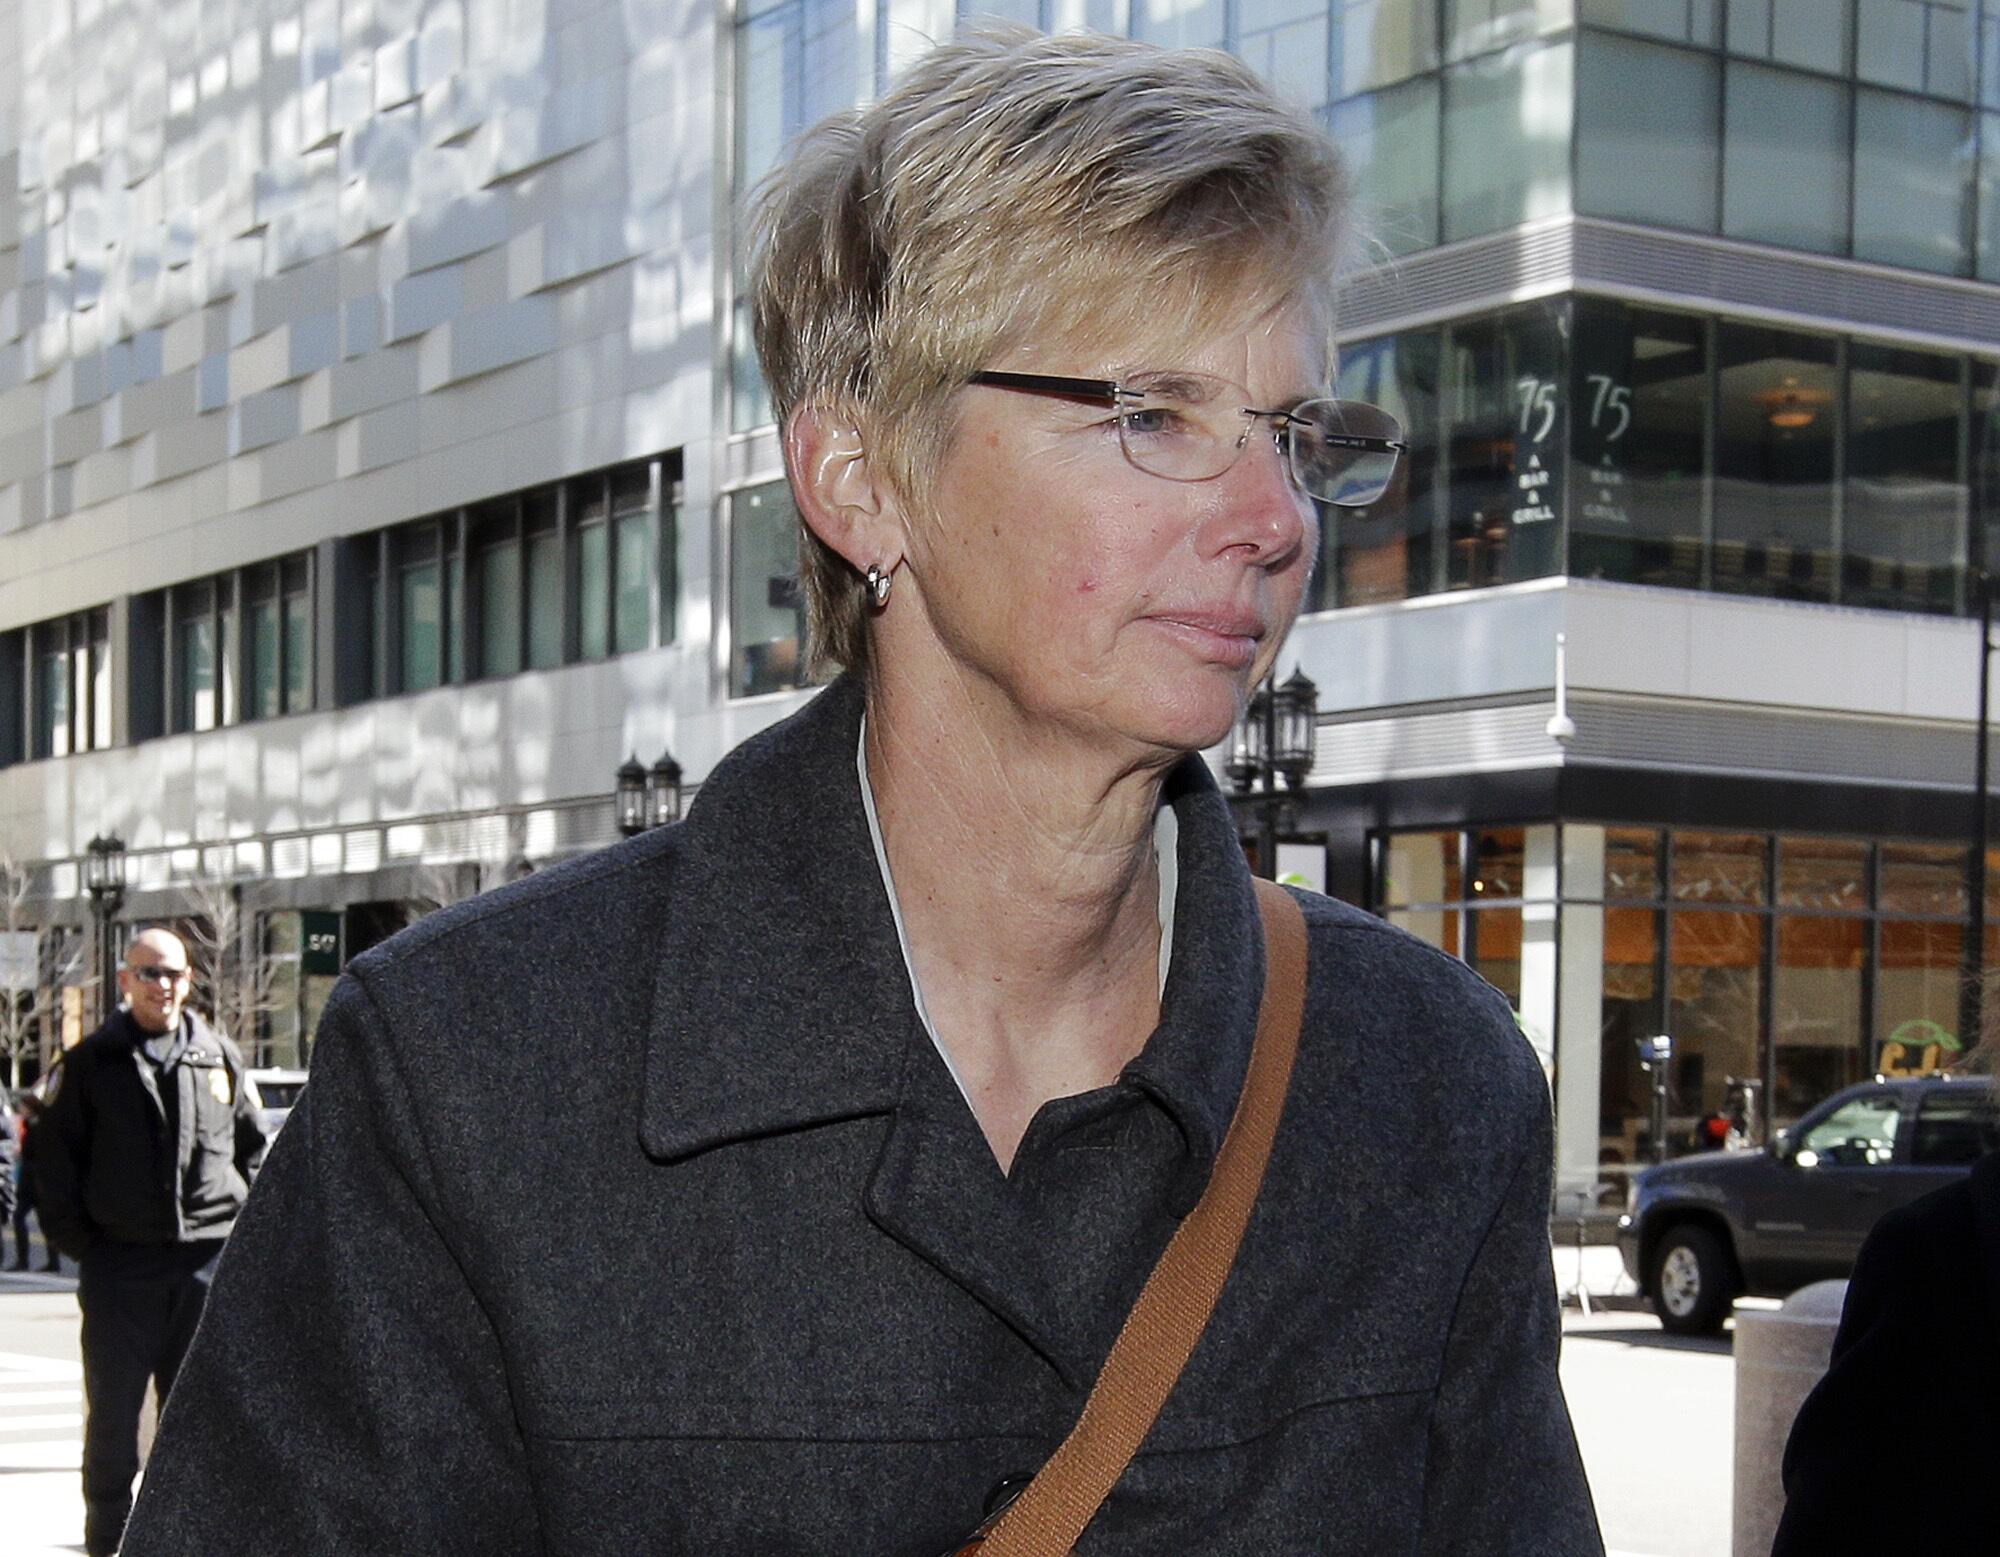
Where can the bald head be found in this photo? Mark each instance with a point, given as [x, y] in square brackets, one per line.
[154, 980]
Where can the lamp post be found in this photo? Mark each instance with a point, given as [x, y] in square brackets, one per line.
[1274, 739]
[630, 790]
[663, 791]
[104, 879]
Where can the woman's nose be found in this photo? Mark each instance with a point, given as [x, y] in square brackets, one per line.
[1264, 510]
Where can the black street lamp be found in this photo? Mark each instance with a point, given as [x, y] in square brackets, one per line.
[104, 879]
[631, 795]
[663, 791]
[1274, 738]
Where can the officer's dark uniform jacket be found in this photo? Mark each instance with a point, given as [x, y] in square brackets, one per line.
[630, 1210]
[117, 1161]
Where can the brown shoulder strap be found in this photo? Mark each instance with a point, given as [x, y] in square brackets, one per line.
[1160, 1333]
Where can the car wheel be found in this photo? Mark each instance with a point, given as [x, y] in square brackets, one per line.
[1692, 1281]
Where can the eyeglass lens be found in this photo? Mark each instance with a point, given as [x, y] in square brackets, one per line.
[1189, 427]
[157, 974]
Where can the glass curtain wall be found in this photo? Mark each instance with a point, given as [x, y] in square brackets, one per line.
[1785, 967]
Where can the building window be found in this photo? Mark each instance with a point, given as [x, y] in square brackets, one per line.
[1390, 140]
[278, 633]
[1180, 24]
[1679, 21]
[1918, 45]
[1389, 550]
[1791, 32]
[1506, 433]
[1377, 43]
[1480, 26]
[1776, 443]
[1648, 123]
[237, 645]
[766, 611]
[1903, 532]
[1506, 139]
[1638, 440]
[1912, 182]
[422, 584]
[1784, 159]
[69, 691]
[1285, 42]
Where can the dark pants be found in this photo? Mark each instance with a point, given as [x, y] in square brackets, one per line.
[24, 1202]
[140, 1304]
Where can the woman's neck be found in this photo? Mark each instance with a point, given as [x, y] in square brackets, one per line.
[1024, 868]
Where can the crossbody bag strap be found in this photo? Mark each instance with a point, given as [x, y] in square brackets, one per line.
[1173, 1308]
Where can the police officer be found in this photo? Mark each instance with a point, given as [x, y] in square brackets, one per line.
[142, 1162]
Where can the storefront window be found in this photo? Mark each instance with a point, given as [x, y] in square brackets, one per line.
[1777, 437]
[1903, 539]
[1387, 551]
[1631, 863]
[1815, 1010]
[1714, 984]
[766, 613]
[1421, 868]
[1496, 862]
[1823, 873]
[1631, 1011]
[1648, 132]
[1917, 972]
[1718, 867]
[1922, 878]
[1638, 432]
[1496, 950]
[1506, 452]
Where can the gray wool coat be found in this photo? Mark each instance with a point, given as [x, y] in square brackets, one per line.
[630, 1210]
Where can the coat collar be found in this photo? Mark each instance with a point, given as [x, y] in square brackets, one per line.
[781, 999]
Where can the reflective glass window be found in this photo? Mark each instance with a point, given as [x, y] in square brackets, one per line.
[1421, 868]
[1917, 974]
[1774, 462]
[1913, 165]
[1480, 26]
[1380, 42]
[1631, 863]
[1717, 867]
[1631, 1009]
[1390, 141]
[1825, 873]
[1923, 878]
[1496, 950]
[1387, 551]
[1437, 927]
[766, 611]
[266, 635]
[1497, 862]
[198, 672]
[1986, 198]
[1811, 33]
[1784, 159]
[1648, 132]
[100, 680]
[1507, 431]
[1904, 521]
[1682, 21]
[52, 703]
[1858, 1134]
[1180, 24]
[298, 652]
[589, 517]
[1816, 1009]
[1506, 139]
[1638, 428]
[1984, 450]
[1285, 42]
[545, 613]
[499, 589]
[422, 612]
[632, 560]
[1918, 45]
[1715, 974]
[1954, 1129]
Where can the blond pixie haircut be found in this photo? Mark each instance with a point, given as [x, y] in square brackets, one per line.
[1017, 188]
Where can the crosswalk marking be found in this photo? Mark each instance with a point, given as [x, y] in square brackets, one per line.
[32, 1435]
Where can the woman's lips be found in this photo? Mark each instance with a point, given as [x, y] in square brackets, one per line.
[1223, 639]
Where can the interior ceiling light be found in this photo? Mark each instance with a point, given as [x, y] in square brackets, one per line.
[1792, 405]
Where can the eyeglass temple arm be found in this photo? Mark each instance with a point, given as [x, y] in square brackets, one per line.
[1102, 391]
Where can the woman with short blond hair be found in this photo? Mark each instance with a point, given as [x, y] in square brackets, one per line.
[867, 1099]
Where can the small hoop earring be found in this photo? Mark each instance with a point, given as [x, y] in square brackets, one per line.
[878, 585]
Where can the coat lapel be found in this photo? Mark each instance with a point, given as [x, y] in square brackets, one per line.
[781, 1001]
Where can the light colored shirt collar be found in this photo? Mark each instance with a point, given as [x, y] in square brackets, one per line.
[1166, 850]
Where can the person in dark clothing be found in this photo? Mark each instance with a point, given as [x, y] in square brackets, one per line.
[141, 1164]
[24, 1190]
[1915, 1375]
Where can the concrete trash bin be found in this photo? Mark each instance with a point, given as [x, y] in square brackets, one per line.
[1780, 1356]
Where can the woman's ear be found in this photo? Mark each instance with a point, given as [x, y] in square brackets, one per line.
[840, 492]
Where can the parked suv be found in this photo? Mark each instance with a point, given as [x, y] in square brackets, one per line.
[1704, 1229]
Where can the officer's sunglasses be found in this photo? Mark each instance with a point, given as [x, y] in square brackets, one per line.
[159, 973]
